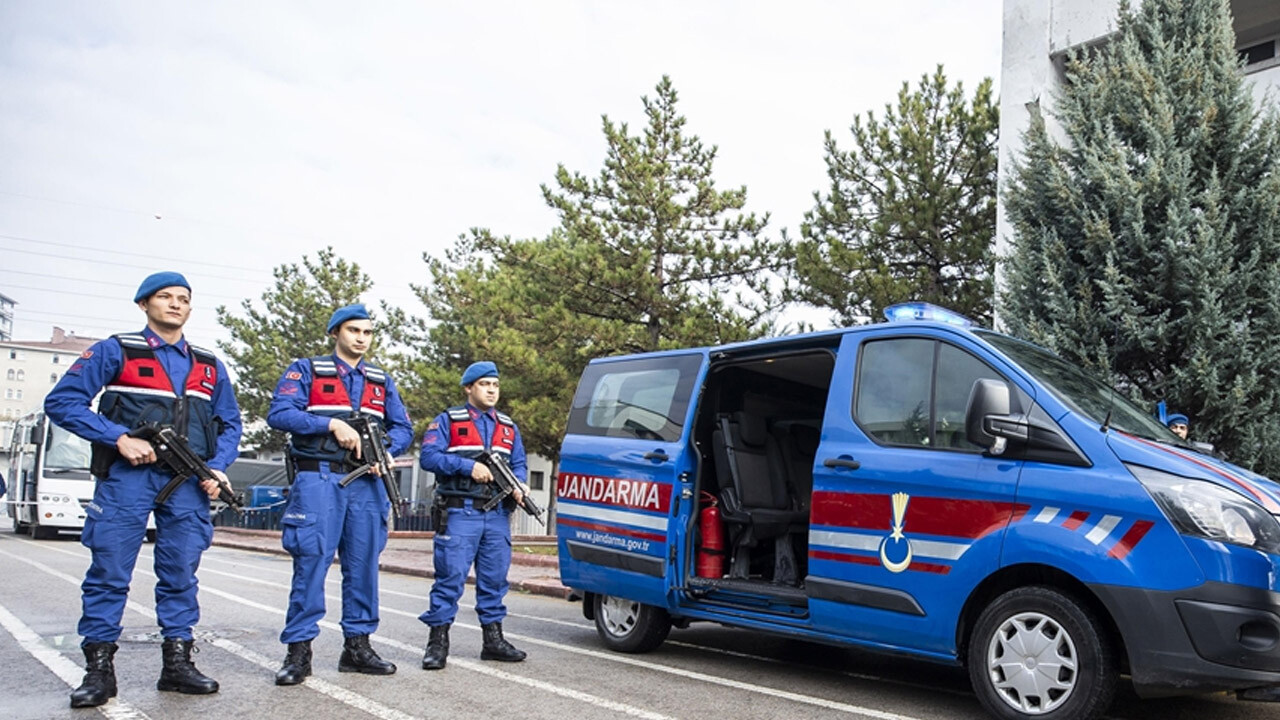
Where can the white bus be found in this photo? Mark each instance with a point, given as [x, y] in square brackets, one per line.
[49, 480]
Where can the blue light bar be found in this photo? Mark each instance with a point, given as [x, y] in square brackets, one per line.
[924, 311]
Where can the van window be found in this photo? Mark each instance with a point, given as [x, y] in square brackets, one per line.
[893, 390]
[646, 398]
[914, 391]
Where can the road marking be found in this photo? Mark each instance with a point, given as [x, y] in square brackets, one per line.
[594, 654]
[468, 664]
[354, 700]
[69, 672]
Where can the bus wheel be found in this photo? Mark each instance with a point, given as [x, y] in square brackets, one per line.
[40, 532]
[19, 527]
[628, 626]
[1037, 653]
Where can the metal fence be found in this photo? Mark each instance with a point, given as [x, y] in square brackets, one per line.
[413, 517]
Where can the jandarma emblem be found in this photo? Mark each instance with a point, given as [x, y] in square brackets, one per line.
[900, 501]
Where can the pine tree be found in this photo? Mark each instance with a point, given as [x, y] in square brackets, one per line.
[651, 246]
[292, 325]
[1146, 245]
[911, 210]
[647, 255]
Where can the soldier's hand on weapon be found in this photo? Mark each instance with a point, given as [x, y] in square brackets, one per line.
[518, 494]
[136, 450]
[347, 437]
[211, 487]
[481, 473]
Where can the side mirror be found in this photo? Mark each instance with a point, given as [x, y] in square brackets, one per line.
[987, 422]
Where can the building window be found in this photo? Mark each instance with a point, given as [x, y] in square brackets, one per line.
[56, 359]
[22, 374]
[535, 480]
[9, 375]
[53, 377]
[13, 354]
[1255, 54]
[8, 393]
[19, 395]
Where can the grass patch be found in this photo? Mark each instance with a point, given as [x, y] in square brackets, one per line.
[537, 549]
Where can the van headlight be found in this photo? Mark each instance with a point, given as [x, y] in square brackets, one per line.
[1203, 509]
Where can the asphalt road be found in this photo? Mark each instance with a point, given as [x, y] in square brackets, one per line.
[704, 672]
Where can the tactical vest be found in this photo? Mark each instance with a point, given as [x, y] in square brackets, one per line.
[328, 398]
[465, 441]
[143, 393]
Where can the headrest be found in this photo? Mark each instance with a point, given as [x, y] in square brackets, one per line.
[751, 429]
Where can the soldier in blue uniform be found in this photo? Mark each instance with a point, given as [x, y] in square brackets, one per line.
[152, 376]
[311, 401]
[467, 534]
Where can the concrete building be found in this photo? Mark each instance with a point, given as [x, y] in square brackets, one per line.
[1038, 35]
[29, 370]
[6, 317]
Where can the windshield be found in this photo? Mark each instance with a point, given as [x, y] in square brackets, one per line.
[1080, 391]
[65, 451]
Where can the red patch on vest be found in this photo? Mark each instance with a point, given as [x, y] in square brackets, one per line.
[293, 375]
[86, 354]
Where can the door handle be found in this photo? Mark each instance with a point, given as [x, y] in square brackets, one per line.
[839, 462]
[657, 455]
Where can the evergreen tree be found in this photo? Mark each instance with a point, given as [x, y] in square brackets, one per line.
[652, 247]
[291, 326]
[1146, 245]
[648, 255]
[911, 210]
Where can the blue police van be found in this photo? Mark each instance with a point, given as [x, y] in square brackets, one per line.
[923, 487]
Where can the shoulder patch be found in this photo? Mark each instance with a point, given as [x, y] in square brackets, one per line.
[293, 375]
[86, 354]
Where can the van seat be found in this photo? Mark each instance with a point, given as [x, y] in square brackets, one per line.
[753, 481]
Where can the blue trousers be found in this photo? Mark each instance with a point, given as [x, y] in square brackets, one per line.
[114, 529]
[321, 518]
[472, 537]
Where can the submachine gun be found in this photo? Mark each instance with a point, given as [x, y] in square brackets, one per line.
[173, 452]
[373, 455]
[508, 483]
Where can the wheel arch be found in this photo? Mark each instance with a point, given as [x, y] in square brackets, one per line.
[1023, 575]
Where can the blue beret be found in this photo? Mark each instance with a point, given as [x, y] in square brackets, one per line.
[1176, 419]
[159, 281]
[343, 314]
[477, 370]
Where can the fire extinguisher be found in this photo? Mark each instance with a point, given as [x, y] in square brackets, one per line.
[711, 551]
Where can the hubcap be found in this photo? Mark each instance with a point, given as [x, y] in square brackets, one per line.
[619, 615]
[1031, 662]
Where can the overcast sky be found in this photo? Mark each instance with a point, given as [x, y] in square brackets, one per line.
[224, 139]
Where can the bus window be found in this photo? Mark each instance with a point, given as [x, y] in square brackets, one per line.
[65, 451]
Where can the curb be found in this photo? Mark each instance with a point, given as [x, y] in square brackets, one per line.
[543, 585]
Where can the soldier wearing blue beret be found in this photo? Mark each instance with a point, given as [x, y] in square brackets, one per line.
[311, 402]
[1178, 423]
[468, 534]
[152, 376]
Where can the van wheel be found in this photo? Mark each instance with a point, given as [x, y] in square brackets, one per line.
[628, 626]
[1037, 653]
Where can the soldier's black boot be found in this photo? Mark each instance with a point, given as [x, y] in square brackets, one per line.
[179, 673]
[357, 656]
[99, 683]
[437, 648]
[496, 647]
[297, 664]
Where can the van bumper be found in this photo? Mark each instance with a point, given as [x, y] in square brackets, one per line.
[1215, 636]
